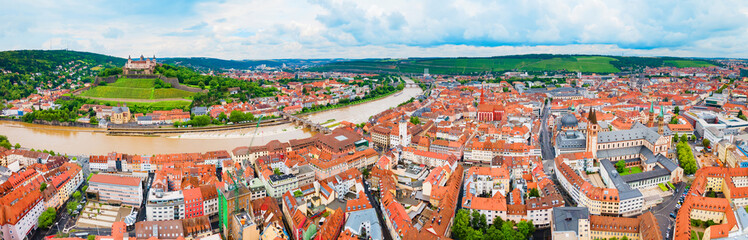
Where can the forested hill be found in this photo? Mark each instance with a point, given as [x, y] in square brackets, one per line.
[530, 63]
[42, 61]
[201, 63]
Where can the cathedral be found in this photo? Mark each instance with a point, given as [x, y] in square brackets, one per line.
[639, 142]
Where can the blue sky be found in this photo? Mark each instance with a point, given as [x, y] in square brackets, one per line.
[376, 29]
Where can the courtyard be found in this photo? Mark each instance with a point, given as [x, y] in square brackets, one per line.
[100, 215]
[631, 170]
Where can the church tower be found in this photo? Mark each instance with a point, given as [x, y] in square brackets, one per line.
[592, 129]
[651, 120]
[403, 130]
[661, 121]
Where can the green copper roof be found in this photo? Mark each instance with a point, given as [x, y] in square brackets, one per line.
[662, 111]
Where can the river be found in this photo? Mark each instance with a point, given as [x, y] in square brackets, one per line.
[85, 141]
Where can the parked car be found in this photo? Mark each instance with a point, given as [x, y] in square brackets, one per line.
[672, 215]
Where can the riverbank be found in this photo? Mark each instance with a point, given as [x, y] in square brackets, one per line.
[156, 130]
[359, 102]
[86, 141]
[172, 130]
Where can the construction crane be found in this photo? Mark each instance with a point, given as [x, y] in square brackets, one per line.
[240, 171]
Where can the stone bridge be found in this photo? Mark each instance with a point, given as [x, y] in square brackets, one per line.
[306, 123]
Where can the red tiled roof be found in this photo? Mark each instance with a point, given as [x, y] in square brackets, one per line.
[115, 180]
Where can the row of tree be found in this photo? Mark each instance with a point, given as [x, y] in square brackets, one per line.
[235, 116]
[474, 226]
[685, 156]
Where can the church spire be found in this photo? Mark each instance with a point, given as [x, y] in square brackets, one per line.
[481, 93]
[592, 117]
[662, 112]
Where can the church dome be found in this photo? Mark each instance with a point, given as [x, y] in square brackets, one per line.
[569, 120]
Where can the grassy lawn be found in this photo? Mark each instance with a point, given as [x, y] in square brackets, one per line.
[129, 88]
[694, 236]
[662, 187]
[631, 170]
[671, 185]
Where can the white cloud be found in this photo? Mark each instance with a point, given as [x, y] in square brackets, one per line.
[258, 29]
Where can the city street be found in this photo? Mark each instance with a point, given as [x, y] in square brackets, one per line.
[662, 211]
[546, 145]
[378, 209]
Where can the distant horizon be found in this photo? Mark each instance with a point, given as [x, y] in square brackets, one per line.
[358, 29]
[378, 58]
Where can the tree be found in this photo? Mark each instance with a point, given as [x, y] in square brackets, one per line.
[236, 116]
[77, 195]
[474, 219]
[366, 172]
[298, 193]
[461, 224]
[534, 193]
[47, 218]
[506, 89]
[91, 237]
[674, 120]
[705, 142]
[72, 206]
[17, 146]
[620, 166]
[415, 120]
[43, 186]
[676, 110]
[277, 171]
[675, 138]
[497, 222]
[741, 116]
[93, 121]
[222, 117]
[709, 223]
[5, 144]
[525, 228]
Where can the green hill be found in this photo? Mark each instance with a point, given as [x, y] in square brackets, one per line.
[128, 88]
[531, 63]
[39, 61]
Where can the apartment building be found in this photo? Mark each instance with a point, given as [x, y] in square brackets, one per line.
[117, 189]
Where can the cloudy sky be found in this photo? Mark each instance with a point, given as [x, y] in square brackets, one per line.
[265, 29]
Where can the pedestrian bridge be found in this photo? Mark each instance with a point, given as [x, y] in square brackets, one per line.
[306, 123]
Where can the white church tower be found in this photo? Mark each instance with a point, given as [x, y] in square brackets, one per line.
[404, 136]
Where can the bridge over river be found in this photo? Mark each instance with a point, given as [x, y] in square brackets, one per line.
[305, 122]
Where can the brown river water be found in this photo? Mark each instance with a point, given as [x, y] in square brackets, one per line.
[85, 141]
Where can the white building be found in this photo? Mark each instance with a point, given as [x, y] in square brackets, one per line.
[163, 206]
